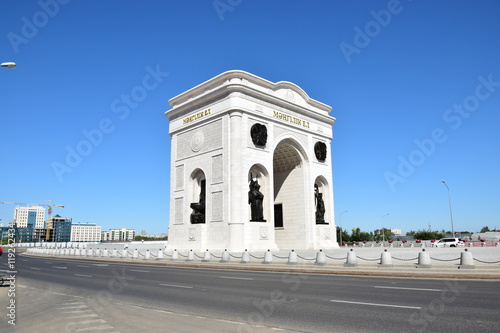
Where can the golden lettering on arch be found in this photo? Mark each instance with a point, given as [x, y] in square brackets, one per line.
[196, 116]
[290, 119]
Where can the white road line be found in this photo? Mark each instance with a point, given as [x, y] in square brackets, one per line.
[175, 286]
[36, 269]
[82, 266]
[84, 275]
[139, 270]
[104, 265]
[74, 307]
[89, 315]
[377, 304]
[235, 278]
[405, 288]
[59, 267]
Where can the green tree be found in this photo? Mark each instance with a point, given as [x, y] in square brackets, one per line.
[484, 229]
[345, 235]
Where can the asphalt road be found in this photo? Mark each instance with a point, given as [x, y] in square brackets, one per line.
[74, 295]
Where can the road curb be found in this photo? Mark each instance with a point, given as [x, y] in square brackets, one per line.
[433, 273]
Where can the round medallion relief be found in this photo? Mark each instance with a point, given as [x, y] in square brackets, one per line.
[328, 234]
[263, 233]
[197, 141]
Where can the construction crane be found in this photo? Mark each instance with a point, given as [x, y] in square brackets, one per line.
[50, 205]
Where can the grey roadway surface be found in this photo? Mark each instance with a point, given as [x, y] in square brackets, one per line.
[66, 295]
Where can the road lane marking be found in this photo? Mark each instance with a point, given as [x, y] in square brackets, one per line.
[36, 269]
[74, 307]
[60, 267]
[405, 288]
[377, 304]
[84, 275]
[235, 278]
[175, 286]
[103, 265]
[82, 265]
[139, 270]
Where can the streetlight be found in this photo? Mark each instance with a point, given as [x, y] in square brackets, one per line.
[8, 64]
[383, 232]
[451, 215]
[340, 222]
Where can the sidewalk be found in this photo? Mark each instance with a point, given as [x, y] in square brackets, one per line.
[445, 262]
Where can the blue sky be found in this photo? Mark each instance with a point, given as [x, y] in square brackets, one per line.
[414, 85]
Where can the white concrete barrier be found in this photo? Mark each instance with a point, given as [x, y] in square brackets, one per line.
[245, 257]
[292, 258]
[268, 257]
[386, 259]
[466, 260]
[320, 258]
[352, 260]
[225, 256]
[424, 260]
[206, 256]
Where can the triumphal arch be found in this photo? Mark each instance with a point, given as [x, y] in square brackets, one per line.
[250, 167]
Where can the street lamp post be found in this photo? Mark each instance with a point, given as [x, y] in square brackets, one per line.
[340, 222]
[383, 231]
[451, 214]
[8, 64]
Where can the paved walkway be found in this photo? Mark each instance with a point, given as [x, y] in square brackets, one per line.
[445, 262]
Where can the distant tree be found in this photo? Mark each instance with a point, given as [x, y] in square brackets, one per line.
[140, 238]
[426, 234]
[485, 229]
[345, 235]
[383, 234]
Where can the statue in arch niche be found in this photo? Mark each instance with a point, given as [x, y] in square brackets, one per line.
[255, 199]
[320, 206]
[198, 216]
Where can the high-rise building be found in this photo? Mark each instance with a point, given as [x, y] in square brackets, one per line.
[85, 232]
[122, 234]
[33, 217]
[59, 229]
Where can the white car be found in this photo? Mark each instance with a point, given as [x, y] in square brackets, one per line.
[449, 242]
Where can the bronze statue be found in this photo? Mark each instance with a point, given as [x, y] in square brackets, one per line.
[198, 216]
[255, 199]
[320, 206]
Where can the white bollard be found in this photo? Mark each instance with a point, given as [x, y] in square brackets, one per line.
[352, 260]
[160, 254]
[206, 256]
[225, 256]
[114, 254]
[125, 253]
[292, 258]
[268, 257]
[466, 260]
[147, 256]
[175, 255]
[320, 258]
[245, 257]
[136, 254]
[424, 260]
[385, 259]
[190, 256]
